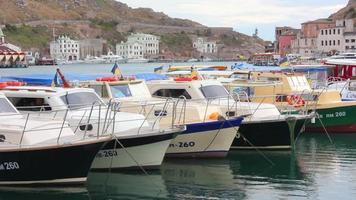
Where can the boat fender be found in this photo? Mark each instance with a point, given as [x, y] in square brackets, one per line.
[214, 116]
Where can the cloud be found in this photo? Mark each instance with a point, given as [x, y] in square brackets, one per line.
[243, 13]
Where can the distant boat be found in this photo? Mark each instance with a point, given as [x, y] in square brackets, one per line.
[111, 58]
[45, 61]
[137, 60]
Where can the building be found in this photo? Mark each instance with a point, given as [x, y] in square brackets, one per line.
[284, 37]
[305, 43]
[91, 48]
[202, 45]
[10, 55]
[139, 45]
[341, 37]
[65, 48]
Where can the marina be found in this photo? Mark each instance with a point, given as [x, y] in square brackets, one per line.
[299, 172]
[122, 99]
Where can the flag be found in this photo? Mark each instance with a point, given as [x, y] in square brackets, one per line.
[236, 66]
[55, 81]
[116, 70]
[158, 69]
[284, 62]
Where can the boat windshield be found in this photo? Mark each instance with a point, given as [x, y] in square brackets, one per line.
[6, 107]
[214, 91]
[119, 91]
[80, 99]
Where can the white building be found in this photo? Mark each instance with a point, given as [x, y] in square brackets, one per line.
[341, 38]
[204, 46]
[138, 46]
[64, 48]
[304, 46]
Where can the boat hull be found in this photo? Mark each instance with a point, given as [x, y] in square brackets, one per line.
[206, 140]
[56, 165]
[338, 119]
[271, 134]
[133, 153]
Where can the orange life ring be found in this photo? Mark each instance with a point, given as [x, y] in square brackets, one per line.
[108, 79]
[295, 100]
[183, 79]
[3, 85]
[14, 83]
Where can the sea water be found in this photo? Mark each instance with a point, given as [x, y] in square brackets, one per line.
[316, 169]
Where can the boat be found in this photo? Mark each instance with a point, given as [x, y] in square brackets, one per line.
[137, 60]
[197, 67]
[34, 151]
[111, 58]
[45, 61]
[263, 127]
[136, 143]
[348, 56]
[333, 114]
[205, 135]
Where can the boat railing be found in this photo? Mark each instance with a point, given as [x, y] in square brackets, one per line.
[183, 109]
[103, 117]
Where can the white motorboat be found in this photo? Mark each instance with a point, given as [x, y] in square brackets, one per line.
[34, 151]
[137, 142]
[205, 136]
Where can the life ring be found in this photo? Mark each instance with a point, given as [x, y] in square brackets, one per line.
[295, 100]
[3, 85]
[14, 83]
[108, 79]
[183, 79]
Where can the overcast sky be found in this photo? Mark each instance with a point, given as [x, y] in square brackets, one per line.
[245, 15]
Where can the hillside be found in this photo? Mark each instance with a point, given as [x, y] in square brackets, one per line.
[31, 24]
[349, 11]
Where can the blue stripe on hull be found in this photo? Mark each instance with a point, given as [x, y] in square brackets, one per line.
[212, 125]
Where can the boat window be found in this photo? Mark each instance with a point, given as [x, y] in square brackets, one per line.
[214, 91]
[119, 91]
[30, 104]
[174, 93]
[80, 99]
[98, 89]
[6, 107]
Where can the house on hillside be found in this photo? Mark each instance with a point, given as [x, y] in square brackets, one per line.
[65, 49]
[138, 46]
[202, 45]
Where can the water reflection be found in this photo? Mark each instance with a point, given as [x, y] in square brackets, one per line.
[331, 167]
[189, 179]
[130, 185]
[317, 169]
[44, 193]
[261, 179]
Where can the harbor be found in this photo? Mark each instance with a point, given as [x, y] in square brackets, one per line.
[304, 170]
[121, 99]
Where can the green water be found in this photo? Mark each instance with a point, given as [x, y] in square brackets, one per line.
[316, 170]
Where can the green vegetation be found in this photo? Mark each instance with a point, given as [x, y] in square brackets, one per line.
[177, 41]
[105, 25]
[230, 40]
[27, 36]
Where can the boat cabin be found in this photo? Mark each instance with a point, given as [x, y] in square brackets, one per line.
[31, 98]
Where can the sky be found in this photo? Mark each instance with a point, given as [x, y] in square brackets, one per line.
[245, 15]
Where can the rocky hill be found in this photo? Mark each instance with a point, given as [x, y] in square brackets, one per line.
[31, 23]
[349, 11]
